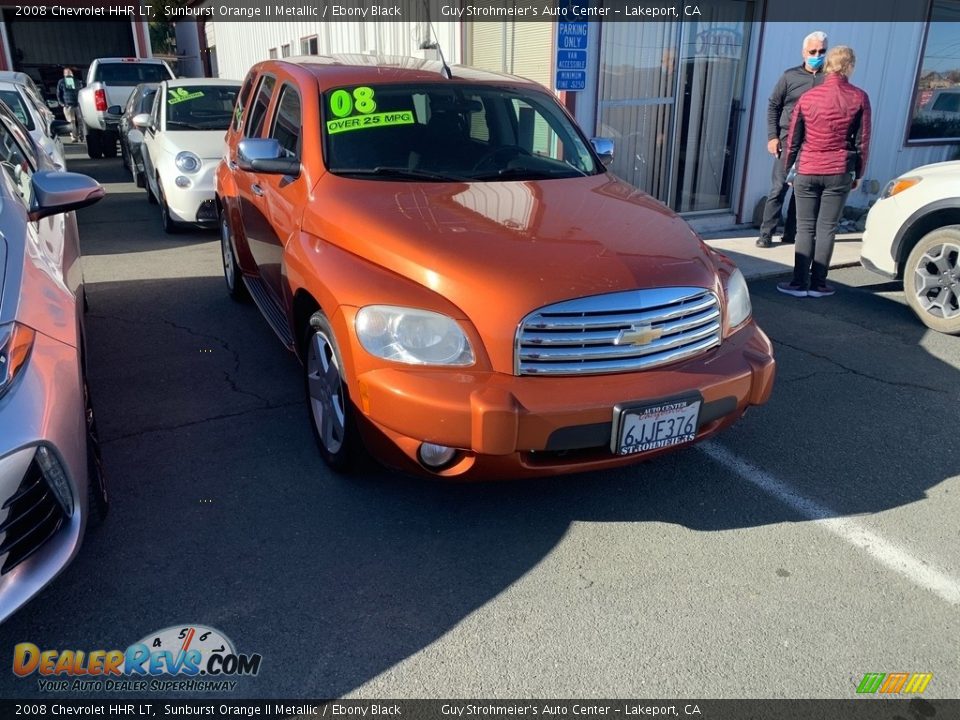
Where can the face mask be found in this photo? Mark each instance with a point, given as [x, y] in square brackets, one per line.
[815, 63]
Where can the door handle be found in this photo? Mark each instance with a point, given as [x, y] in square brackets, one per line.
[256, 190]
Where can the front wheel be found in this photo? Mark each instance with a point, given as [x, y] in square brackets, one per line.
[931, 280]
[231, 270]
[331, 412]
[98, 502]
[170, 226]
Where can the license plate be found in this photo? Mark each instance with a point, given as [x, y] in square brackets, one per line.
[653, 427]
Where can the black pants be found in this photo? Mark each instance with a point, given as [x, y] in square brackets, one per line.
[774, 205]
[820, 200]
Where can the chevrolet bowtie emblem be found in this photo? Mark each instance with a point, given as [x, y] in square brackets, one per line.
[638, 335]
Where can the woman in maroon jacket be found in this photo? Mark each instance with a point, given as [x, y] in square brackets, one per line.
[829, 139]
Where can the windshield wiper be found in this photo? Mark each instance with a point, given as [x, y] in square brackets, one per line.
[522, 173]
[183, 125]
[403, 173]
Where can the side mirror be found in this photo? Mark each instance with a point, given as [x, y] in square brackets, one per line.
[115, 110]
[56, 192]
[265, 155]
[142, 121]
[60, 127]
[604, 148]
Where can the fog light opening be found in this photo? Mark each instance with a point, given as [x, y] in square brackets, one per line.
[56, 477]
[183, 182]
[435, 456]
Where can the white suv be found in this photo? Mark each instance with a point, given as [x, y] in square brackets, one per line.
[913, 232]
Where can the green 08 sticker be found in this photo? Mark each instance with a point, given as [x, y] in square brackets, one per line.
[343, 103]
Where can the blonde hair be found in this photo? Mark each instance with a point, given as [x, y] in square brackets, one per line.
[840, 59]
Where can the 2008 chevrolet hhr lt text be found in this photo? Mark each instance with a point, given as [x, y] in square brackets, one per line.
[471, 293]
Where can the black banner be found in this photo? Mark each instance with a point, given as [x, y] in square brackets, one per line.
[820, 11]
[865, 708]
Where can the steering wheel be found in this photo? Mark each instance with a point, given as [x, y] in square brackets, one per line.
[506, 152]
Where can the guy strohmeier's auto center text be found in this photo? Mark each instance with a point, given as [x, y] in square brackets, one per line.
[332, 11]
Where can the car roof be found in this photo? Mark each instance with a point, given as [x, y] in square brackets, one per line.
[352, 68]
[153, 61]
[187, 82]
[14, 76]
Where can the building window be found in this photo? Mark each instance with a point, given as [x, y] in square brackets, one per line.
[273, 53]
[308, 46]
[935, 114]
[285, 51]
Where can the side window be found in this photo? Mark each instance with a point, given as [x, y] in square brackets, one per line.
[133, 101]
[146, 103]
[286, 121]
[259, 112]
[16, 166]
[242, 99]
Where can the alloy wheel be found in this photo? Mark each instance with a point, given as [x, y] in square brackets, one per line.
[325, 387]
[937, 281]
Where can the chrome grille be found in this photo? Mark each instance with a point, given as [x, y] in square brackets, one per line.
[619, 332]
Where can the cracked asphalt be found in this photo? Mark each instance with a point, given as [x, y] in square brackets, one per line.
[683, 577]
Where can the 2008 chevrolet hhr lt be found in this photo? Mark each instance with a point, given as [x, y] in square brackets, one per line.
[470, 292]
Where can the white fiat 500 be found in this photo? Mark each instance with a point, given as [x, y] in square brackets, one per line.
[183, 141]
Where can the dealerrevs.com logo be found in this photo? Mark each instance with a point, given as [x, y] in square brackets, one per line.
[189, 658]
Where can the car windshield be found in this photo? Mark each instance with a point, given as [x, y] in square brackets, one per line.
[450, 132]
[131, 73]
[200, 107]
[14, 101]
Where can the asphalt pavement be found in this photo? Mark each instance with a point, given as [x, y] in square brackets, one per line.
[816, 541]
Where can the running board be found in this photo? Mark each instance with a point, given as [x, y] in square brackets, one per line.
[275, 317]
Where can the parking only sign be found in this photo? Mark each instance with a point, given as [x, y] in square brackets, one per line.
[571, 64]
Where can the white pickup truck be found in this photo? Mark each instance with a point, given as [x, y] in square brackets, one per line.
[109, 84]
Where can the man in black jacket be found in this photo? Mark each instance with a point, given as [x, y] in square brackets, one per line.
[68, 97]
[791, 85]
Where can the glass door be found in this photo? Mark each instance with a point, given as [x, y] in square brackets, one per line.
[672, 98]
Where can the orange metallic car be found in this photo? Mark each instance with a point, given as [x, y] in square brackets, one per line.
[471, 293]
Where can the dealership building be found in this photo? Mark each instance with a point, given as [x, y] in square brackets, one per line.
[685, 101]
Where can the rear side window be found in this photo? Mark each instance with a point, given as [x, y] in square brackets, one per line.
[286, 122]
[259, 112]
[16, 166]
[17, 104]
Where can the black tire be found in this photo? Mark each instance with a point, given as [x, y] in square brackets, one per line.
[94, 144]
[151, 198]
[232, 275]
[170, 226]
[98, 501]
[931, 280]
[108, 145]
[139, 179]
[327, 397]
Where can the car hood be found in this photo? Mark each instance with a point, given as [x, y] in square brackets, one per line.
[205, 144]
[499, 251]
[949, 170]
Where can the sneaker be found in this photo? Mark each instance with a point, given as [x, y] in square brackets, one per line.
[764, 242]
[792, 288]
[821, 290]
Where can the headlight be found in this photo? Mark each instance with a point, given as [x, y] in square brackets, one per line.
[16, 341]
[898, 185]
[738, 300]
[416, 337]
[187, 162]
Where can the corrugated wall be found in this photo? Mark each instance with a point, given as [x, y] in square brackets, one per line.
[240, 45]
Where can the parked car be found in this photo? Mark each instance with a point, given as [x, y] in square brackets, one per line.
[182, 145]
[109, 84]
[131, 137]
[33, 91]
[45, 132]
[913, 234]
[51, 485]
[471, 293]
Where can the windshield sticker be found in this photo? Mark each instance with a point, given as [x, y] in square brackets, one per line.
[360, 122]
[343, 104]
[179, 95]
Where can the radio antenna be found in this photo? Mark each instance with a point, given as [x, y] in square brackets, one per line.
[445, 70]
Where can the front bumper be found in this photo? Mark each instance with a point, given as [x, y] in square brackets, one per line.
[508, 426]
[884, 220]
[45, 406]
[194, 204]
